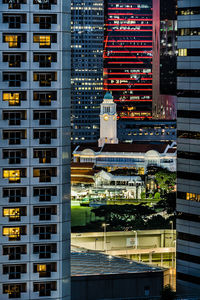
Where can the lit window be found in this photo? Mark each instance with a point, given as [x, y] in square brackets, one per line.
[182, 52]
[12, 213]
[12, 41]
[41, 268]
[12, 175]
[43, 40]
[12, 232]
[12, 98]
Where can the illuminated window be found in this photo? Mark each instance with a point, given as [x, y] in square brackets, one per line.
[12, 213]
[43, 40]
[12, 232]
[193, 197]
[182, 52]
[41, 268]
[12, 175]
[14, 290]
[12, 98]
[12, 40]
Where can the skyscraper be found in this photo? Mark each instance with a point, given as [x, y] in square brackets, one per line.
[34, 155]
[164, 59]
[87, 68]
[188, 125]
[128, 57]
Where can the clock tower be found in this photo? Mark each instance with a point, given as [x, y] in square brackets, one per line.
[108, 121]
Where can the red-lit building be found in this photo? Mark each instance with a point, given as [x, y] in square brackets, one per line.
[128, 56]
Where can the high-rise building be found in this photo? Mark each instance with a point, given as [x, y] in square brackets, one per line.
[87, 68]
[34, 154]
[128, 57]
[188, 133]
[164, 59]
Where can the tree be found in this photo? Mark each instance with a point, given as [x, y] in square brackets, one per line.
[166, 180]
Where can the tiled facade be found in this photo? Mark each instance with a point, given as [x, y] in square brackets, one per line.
[34, 154]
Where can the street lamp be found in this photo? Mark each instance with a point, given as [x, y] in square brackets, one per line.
[136, 241]
[104, 237]
[172, 229]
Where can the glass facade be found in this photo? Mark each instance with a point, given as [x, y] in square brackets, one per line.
[128, 57]
[87, 22]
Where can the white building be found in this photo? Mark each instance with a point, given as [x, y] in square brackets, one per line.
[136, 156]
[34, 154]
[108, 121]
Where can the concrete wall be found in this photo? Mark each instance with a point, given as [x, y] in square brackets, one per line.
[120, 239]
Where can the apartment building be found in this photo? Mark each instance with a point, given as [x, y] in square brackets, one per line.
[34, 155]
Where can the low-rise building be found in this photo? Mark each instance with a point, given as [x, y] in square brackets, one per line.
[138, 156]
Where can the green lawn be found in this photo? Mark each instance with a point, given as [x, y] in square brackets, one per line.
[80, 216]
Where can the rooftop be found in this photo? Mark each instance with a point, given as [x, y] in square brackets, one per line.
[87, 262]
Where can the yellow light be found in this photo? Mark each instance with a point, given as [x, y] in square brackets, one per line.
[41, 268]
[12, 175]
[12, 40]
[13, 98]
[11, 232]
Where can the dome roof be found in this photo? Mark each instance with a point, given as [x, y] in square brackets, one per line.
[108, 96]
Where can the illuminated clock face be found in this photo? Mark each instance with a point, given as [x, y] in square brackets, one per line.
[106, 117]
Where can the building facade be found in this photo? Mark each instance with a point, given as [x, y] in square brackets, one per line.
[34, 155]
[138, 156]
[188, 133]
[87, 68]
[128, 57]
[164, 59]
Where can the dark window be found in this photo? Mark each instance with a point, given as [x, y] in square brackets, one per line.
[190, 93]
[14, 117]
[14, 194]
[45, 59]
[45, 193]
[44, 250]
[14, 252]
[45, 79]
[45, 98]
[45, 21]
[188, 278]
[14, 156]
[14, 59]
[45, 136]
[14, 79]
[14, 271]
[45, 155]
[188, 237]
[188, 155]
[188, 175]
[45, 212]
[14, 137]
[188, 217]
[185, 11]
[45, 231]
[45, 117]
[14, 20]
[45, 288]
